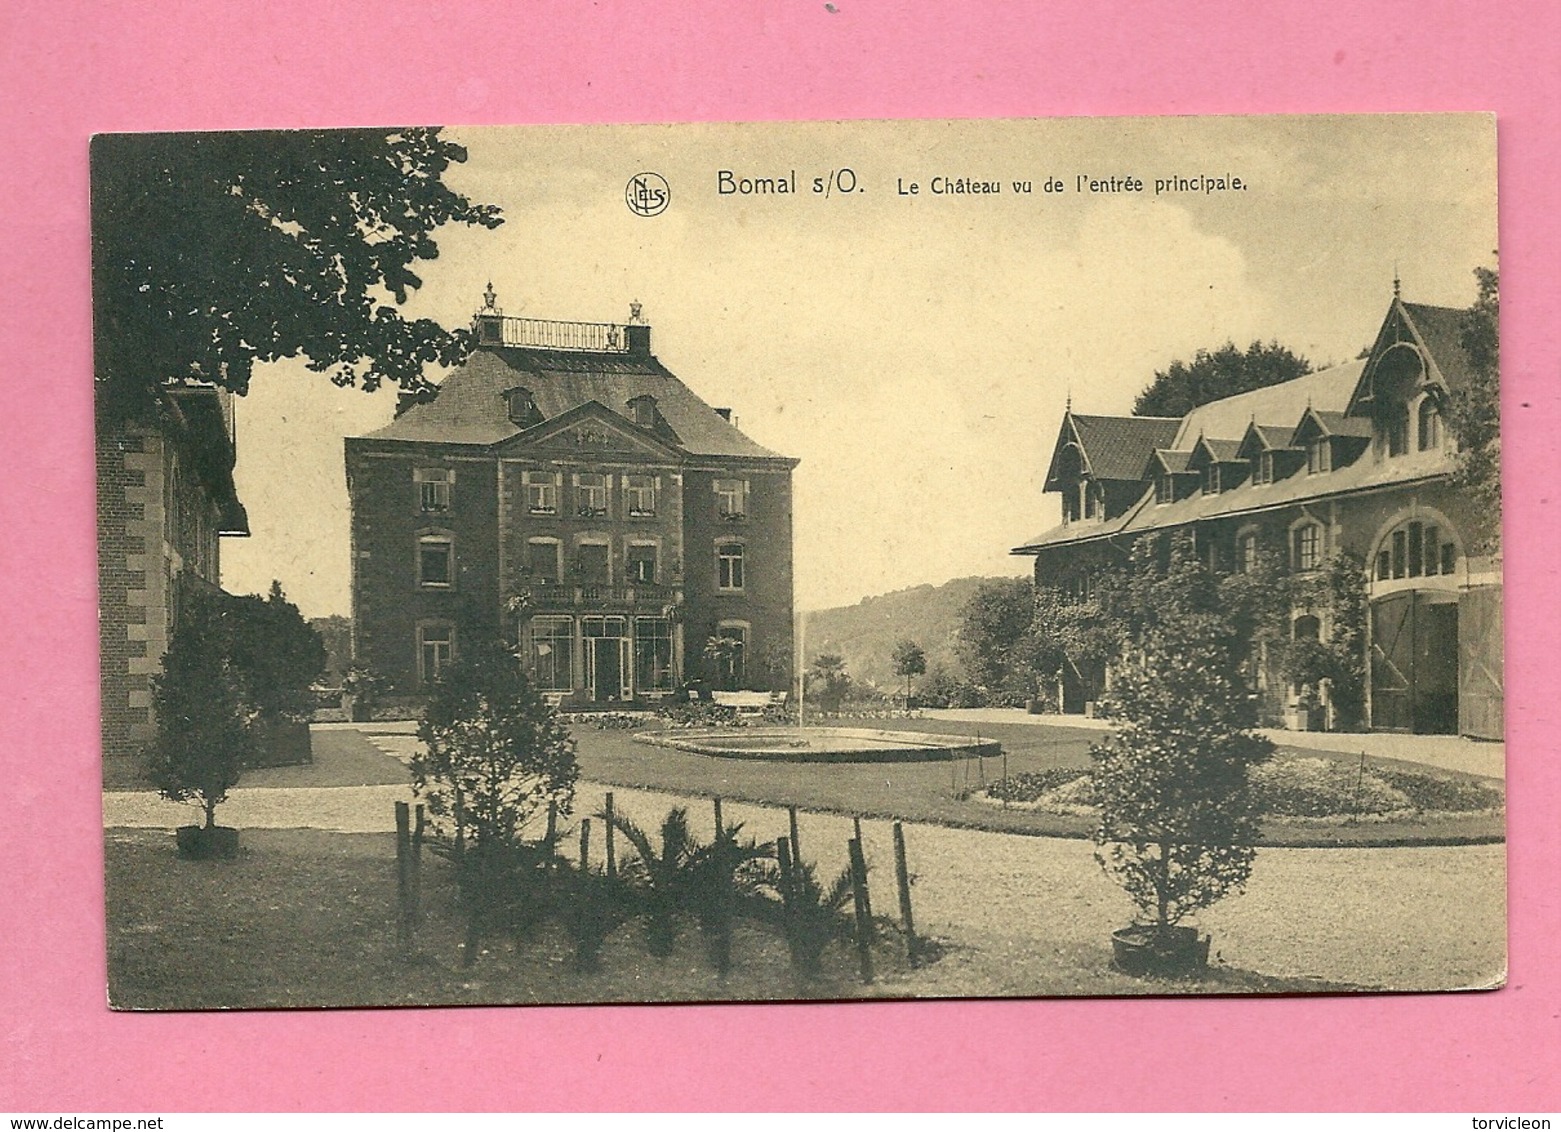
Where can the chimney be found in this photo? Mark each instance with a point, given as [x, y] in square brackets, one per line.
[489, 321]
[406, 398]
[636, 335]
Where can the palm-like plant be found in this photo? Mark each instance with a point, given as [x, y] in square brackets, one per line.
[722, 873]
[813, 916]
[664, 876]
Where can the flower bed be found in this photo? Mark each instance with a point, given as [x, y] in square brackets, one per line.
[1291, 787]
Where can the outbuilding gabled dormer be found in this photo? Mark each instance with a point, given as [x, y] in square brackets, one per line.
[1171, 474]
[1097, 463]
[1330, 440]
[1267, 452]
[1218, 464]
[1415, 366]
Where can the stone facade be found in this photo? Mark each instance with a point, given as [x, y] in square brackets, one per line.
[1354, 460]
[165, 498]
[576, 500]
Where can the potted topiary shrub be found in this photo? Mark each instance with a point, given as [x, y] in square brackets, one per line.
[203, 734]
[1178, 820]
[495, 757]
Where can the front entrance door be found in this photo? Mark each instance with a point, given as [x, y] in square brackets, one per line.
[606, 657]
[1414, 664]
[606, 669]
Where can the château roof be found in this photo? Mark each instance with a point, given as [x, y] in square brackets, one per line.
[470, 407]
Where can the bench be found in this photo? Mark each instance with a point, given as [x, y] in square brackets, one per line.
[750, 703]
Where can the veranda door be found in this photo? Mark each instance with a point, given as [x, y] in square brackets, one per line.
[607, 657]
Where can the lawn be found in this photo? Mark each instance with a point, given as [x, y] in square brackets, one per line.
[942, 792]
[306, 918]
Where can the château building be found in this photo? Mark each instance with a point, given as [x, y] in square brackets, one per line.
[1356, 460]
[563, 491]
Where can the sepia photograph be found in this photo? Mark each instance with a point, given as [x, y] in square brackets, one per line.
[800, 561]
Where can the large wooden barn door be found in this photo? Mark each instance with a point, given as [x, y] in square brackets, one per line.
[1436, 668]
[1480, 671]
[1415, 663]
[1393, 663]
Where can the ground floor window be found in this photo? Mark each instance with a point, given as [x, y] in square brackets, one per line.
[653, 654]
[435, 651]
[552, 653]
[731, 655]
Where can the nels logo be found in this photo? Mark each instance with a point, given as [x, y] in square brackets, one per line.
[647, 194]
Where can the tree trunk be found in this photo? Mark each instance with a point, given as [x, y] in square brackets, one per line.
[211, 812]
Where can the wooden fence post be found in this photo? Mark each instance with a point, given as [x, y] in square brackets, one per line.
[720, 829]
[866, 895]
[403, 875]
[902, 876]
[796, 845]
[612, 860]
[585, 846]
[417, 867]
[864, 927]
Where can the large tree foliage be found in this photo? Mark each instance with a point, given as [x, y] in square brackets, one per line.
[1475, 414]
[993, 623]
[277, 653]
[215, 251]
[1177, 817]
[1183, 386]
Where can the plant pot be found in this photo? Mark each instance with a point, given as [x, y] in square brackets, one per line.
[1140, 949]
[1299, 719]
[198, 843]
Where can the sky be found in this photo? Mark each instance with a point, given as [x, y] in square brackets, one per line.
[914, 349]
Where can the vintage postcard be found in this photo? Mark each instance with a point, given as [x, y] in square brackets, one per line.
[800, 561]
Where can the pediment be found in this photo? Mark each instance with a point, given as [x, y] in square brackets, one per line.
[591, 429]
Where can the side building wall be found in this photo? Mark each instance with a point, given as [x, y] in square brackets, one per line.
[157, 533]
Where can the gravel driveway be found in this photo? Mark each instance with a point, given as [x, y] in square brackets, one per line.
[1017, 906]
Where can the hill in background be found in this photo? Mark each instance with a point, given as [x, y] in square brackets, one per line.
[866, 633]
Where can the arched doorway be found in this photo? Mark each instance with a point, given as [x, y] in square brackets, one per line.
[1414, 628]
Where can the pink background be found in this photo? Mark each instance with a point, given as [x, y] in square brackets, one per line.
[69, 69]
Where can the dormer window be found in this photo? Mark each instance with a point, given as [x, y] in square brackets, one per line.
[1085, 501]
[522, 405]
[1263, 468]
[1211, 479]
[1319, 456]
[644, 410]
[1430, 426]
[1165, 488]
[1398, 429]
